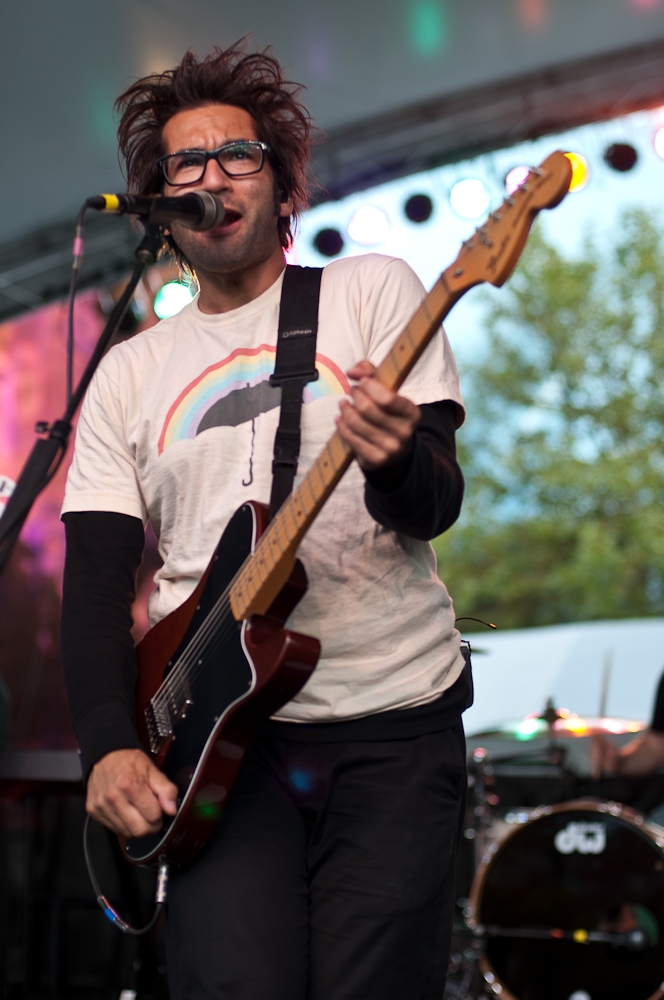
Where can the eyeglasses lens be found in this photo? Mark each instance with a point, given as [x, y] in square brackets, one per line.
[236, 159]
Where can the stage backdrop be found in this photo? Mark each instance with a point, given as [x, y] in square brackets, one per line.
[32, 388]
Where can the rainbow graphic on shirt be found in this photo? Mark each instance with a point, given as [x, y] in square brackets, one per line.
[236, 390]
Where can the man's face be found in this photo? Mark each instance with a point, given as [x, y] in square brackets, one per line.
[248, 235]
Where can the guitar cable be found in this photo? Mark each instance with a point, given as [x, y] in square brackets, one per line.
[110, 913]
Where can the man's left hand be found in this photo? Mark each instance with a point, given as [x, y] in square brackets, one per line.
[378, 424]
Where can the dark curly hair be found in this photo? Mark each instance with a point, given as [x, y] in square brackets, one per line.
[252, 81]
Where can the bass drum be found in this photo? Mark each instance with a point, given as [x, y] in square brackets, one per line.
[571, 906]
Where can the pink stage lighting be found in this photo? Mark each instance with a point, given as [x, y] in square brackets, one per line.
[533, 13]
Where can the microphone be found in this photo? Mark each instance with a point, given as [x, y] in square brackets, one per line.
[198, 210]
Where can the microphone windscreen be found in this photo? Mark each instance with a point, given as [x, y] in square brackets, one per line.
[213, 211]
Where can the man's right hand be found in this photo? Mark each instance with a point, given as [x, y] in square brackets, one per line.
[129, 795]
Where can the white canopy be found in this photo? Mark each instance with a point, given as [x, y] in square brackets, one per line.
[63, 63]
[516, 671]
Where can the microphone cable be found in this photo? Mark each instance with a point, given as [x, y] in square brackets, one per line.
[161, 891]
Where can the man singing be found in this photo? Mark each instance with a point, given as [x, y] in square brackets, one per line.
[330, 873]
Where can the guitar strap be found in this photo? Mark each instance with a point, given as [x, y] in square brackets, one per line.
[294, 366]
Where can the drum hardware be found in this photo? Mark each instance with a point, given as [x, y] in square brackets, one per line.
[461, 975]
[487, 827]
[550, 715]
[465, 980]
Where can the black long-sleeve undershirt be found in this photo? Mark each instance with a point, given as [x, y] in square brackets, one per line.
[104, 551]
[419, 495]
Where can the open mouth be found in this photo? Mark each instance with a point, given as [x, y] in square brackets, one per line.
[230, 218]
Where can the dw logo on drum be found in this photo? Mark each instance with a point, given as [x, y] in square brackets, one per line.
[586, 838]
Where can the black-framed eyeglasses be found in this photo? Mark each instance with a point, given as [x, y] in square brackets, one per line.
[236, 159]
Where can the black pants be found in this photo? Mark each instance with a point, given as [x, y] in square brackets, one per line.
[330, 875]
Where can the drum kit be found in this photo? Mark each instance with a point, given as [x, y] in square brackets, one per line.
[561, 875]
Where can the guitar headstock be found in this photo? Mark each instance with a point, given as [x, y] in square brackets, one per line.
[492, 252]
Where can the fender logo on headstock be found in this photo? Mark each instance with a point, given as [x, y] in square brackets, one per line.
[506, 230]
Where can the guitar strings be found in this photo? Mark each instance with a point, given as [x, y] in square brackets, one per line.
[181, 671]
[191, 652]
[218, 639]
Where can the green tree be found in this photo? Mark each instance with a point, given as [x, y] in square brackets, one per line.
[563, 450]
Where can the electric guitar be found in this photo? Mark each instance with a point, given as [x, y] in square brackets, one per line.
[217, 667]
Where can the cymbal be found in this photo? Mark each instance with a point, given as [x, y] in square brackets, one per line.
[567, 726]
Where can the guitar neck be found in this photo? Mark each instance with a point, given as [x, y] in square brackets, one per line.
[266, 570]
[416, 335]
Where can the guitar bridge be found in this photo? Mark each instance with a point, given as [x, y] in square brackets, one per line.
[159, 723]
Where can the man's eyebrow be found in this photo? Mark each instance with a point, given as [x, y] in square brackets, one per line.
[202, 149]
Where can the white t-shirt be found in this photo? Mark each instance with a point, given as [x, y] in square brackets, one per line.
[178, 427]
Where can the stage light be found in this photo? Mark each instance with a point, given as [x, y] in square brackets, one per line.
[369, 226]
[620, 156]
[515, 178]
[428, 27]
[659, 141]
[533, 13]
[572, 725]
[580, 173]
[171, 298]
[329, 242]
[418, 208]
[528, 729]
[612, 725]
[469, 198]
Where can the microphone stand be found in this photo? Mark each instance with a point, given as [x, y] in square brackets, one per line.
[47, 453]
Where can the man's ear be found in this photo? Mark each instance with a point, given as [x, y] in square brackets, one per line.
[285, 207]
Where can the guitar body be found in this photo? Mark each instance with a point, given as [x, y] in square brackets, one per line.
[239, 673]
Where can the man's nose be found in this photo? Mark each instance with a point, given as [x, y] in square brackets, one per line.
[214, 178]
